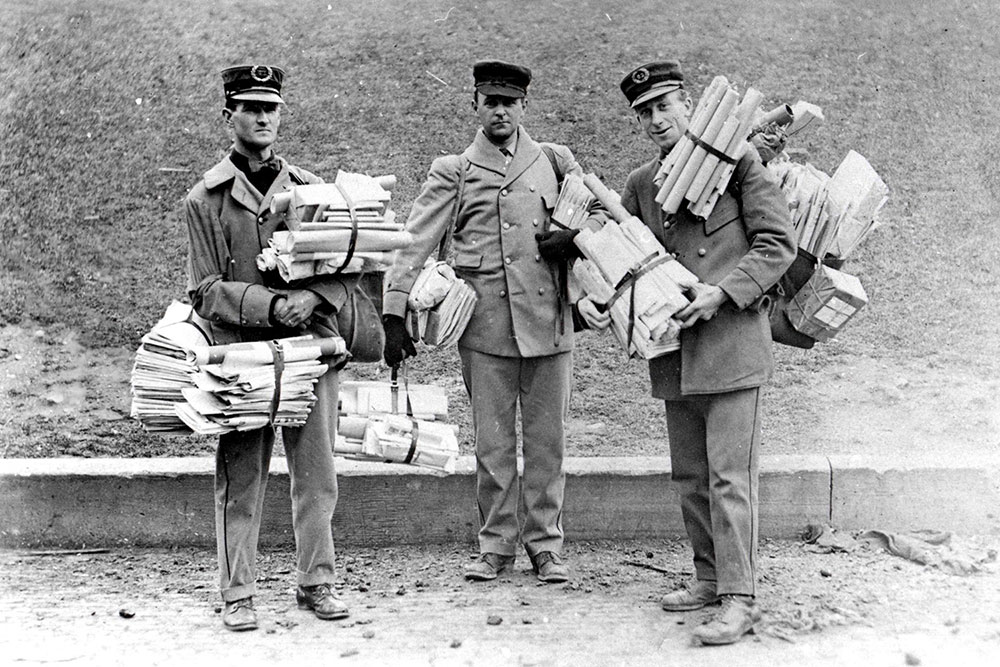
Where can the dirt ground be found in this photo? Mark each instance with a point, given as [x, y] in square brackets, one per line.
[60, 398]
[410, 606]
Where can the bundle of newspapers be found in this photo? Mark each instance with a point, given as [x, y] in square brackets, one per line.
[341, 227]
[396, 423]
[627, 271]
[181, 383]
[440, 305]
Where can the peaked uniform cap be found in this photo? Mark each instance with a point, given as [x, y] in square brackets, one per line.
[253, 83]
[495, 77]
[652, 80]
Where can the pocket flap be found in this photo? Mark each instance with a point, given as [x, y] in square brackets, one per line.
[550, 199]
[468, 260]
[726, 210]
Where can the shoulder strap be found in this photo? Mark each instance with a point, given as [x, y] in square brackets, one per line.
[551, 155]
[450, 231]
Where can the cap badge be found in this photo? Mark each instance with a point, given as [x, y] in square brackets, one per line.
[640, 75]
[261, 73]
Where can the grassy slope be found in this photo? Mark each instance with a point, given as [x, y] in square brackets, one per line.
[95, 97]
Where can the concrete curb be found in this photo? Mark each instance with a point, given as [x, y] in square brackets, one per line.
[168, 501]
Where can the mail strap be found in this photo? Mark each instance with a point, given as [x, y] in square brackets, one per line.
[712, 150]
[278, 355]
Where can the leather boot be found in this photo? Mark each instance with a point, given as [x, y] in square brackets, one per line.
[737, 617]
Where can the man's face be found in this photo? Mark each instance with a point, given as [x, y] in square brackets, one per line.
[665, 118]
[255, 124]
[499, 115]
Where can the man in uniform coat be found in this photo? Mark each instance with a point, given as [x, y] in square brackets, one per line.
[712, 385]
[228, 223]
[517, 348]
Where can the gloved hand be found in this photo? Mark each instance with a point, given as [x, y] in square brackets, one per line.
[557, 244]
[398, 345]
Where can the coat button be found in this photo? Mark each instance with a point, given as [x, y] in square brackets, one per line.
[541, 290]
[535, 222]
[538, 258]
[507, 260]
[531, 187]
[503, 293]
[260, 219]
[506, 225]
[701, 252]
[503, 193]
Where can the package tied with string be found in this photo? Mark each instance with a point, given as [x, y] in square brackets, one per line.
[628, 272]
[697, 170]
[439, 306]
[215, 389]
[396, 423]
[828, 300]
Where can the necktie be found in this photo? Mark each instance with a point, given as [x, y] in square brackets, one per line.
[507, 156]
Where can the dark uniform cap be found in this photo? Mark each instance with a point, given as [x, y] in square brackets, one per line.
[652, 80]
[253, 83]
[495, 77]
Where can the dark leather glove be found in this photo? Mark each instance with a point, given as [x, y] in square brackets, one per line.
[557, 244]
[398, 345]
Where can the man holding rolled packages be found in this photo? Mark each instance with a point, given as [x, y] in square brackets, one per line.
[491, 202]
[712, 385]
[229, 223]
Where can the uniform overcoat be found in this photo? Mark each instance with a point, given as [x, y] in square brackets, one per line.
[519, 313]
[742, 248]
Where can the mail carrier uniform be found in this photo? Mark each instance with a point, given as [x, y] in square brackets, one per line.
[517, 346]
[712, 385]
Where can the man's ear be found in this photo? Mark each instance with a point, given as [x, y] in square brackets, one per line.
[227, 114]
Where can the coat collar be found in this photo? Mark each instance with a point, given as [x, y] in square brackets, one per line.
[242, 192]
[484, 153]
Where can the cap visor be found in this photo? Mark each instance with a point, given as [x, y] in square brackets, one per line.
[257, 96]
[497, 89]
[656, 91]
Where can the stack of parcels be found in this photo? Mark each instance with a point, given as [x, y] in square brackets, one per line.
[340, 227]
[832, 215]
[698, 168]
[440, 305]
[825, 303]
[627, 269]
[181, 384]
[385, 421]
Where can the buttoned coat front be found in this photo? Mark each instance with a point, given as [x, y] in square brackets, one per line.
[744, 247]
[520, 312]
[229, 223]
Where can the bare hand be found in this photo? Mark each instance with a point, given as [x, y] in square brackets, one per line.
[296, 308]
[705, 303]
[595, 318]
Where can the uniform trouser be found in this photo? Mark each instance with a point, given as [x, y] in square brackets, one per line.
[496, 386]
[241, 468]
[713, 453]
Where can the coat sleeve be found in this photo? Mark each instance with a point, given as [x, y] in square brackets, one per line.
[213, 297]
[769, 234]
[432, 212]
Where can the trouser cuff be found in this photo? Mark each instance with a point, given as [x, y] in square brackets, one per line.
[238, 592]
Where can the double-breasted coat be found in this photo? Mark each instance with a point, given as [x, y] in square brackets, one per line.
[518, 313]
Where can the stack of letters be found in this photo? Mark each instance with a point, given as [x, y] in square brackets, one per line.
[396, 423]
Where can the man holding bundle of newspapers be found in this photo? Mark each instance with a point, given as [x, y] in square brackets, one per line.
[712, 385]
[493, 202]
[229, 222]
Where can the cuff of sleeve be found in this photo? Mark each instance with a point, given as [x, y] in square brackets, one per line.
[256, 306]
[394, 303]
[741, 288]
[332, 293]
